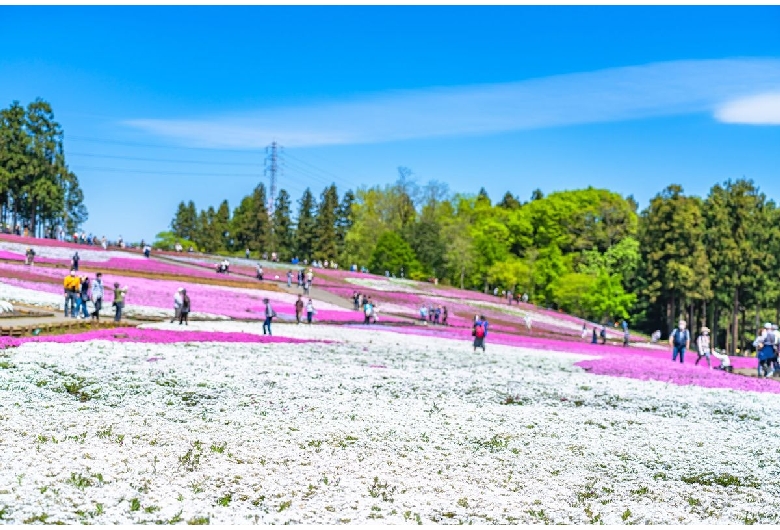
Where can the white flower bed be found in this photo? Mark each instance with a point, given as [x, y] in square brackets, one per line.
[21, 295]
[324, 433]
[64, 253]
[388, 284]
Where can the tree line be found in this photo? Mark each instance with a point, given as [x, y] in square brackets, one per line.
[318, 232]
[589, 252]
[37, 190]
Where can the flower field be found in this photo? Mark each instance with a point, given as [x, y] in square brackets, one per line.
[349, 423]
[366, 426]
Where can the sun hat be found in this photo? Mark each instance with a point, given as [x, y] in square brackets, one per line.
[767, 326]
[705, 329]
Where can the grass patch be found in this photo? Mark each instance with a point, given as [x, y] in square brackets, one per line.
[721, 479]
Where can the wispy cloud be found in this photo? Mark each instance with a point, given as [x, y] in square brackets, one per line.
[734, 91]
[761, 109]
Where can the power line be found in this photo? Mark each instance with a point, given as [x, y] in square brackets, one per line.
[167, 160]
[332, 175]
[167, 172]
[156, 146]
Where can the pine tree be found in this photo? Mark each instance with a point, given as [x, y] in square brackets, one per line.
[509, 202]
[304, 233]
[242, 222]
[261, 221]
[284, 237]
[222, 225]
[325, 244]
[344, 221]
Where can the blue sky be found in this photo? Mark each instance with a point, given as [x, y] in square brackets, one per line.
[162, 104]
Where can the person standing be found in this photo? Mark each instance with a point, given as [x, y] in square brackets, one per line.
[765, 348]
[626, 337]
[177, 301]
[595, 338]
[246, 253]
[269, 316]
[72, 286]
[603, 334]
[289, 278]
[309, 311]
[184, 315]
[97, 296]
[84, 297]
[75, 261]
[298, 309]
[119, 301]
[680, 340]
[309, 279]
[368, 308]
[259, 272]
[444, 316]
[703, 346]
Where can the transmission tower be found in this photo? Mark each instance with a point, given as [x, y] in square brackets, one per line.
[273, 170]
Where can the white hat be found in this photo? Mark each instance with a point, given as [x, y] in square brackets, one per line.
[180, 289]
[767, 326]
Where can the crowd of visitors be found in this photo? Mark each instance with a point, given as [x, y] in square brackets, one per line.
[80, 290]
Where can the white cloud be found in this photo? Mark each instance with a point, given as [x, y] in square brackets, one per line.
[761, 109]
[659, 89]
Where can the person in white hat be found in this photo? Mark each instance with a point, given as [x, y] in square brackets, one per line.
[703, 346]
[177, 301]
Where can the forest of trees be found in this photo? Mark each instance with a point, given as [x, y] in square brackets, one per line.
[37, 190]
[589, 252]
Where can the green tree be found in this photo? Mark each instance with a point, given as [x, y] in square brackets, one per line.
[184, 224]
[306, 223]
[325, 243]
[283, 226]
[394, 255]
[606, 298]
[222, 226]
[344, 222]
[261, 221]
[570, 291]
[242, 224]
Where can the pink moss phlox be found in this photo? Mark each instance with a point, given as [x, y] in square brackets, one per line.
[153, 336]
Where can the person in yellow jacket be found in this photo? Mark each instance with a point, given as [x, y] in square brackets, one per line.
[72, 285]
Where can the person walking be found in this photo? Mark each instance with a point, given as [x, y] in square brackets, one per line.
[246, 253]
[119, 301]
[177, 301]
[703, 346]
[368, 308]
[184, 313]
[309, 311]
[259, 272]
[627, 336]
[603, 334]
[584, 330]
[289, 279]
[479, 332]
[72, 286]
[298, 309]
[75, 260]
[30, 257]
[595, 338]
[680, 340]
[444, 316]
[97, 295]
[270, 314]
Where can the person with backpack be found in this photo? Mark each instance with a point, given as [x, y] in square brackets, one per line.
[680, 340]
[84, 298]
[765, 349]
[270, 314]
[184, 314]
[703, 348]
[479, 332]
